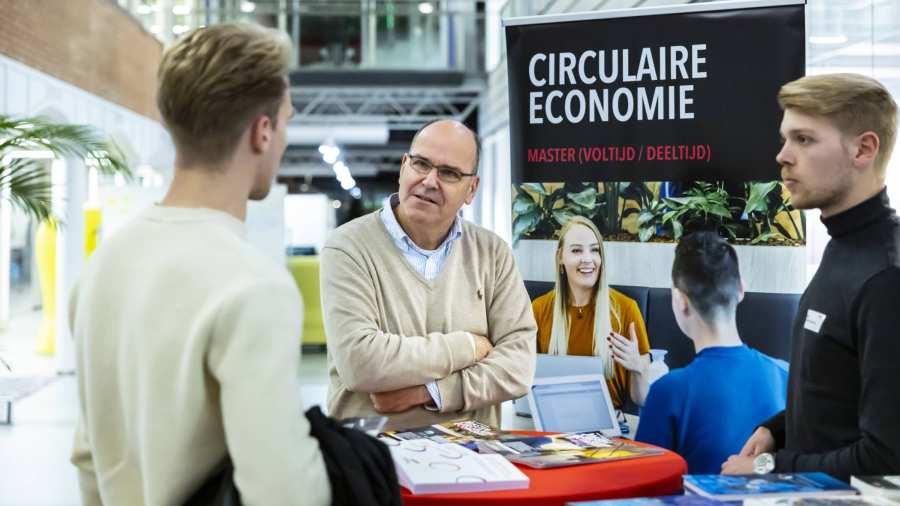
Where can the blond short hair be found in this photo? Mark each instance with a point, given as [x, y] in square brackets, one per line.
[215, 80]
[853, 102]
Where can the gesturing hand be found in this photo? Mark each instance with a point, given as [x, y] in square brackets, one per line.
[625, 351]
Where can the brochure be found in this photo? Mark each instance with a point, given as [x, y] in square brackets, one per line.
[856, 500]
[696, 500]
[568, 449]
[557, 450]
[669, 500]
[885, 486]
[750, 486]
[462, 432]
[428, 467]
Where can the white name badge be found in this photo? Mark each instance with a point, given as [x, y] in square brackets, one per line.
[814, 321]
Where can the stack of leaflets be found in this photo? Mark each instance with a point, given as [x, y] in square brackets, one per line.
[463, 432]
[570, 449]
[857, 500]
[669, 500]
[883, 486]
[540, 452]
[696, 500]
[428, 467]
[754, 486]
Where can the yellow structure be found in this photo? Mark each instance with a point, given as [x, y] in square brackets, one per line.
[305, 270]
[93, 217]
[45, 251]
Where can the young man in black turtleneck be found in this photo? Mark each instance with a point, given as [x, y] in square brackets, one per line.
[843, 408]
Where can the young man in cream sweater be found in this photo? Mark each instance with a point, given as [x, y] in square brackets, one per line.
[186, 337]
[426, 316]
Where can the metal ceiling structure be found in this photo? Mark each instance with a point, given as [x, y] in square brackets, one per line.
[366, 161]
[401, 108]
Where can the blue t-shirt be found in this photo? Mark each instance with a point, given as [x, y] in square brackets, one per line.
[706, 410]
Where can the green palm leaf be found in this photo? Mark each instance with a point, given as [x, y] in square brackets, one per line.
[26, 182]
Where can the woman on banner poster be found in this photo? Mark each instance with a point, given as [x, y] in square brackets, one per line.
[583, 316]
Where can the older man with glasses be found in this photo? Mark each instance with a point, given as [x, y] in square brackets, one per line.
[426, 316]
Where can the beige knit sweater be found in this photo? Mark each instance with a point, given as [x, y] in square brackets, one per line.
[187, 350]
[389, 328]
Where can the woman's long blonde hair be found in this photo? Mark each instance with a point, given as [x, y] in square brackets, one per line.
[559, 332]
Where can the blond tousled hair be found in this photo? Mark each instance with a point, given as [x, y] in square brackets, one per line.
[559, 331]
[853, 102]
[215, 80]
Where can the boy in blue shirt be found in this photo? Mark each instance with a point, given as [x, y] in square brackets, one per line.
[707, 409]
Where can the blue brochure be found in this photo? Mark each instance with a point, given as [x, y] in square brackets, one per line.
[766, 485]
[669, 500]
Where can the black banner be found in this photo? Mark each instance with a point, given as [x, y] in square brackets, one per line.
[665, 97]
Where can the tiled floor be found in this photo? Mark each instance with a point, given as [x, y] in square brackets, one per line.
[34, 450]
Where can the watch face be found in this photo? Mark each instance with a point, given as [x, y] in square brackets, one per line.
[763, 463]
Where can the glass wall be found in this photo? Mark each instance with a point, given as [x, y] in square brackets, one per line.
[340, 34]
[860, 36]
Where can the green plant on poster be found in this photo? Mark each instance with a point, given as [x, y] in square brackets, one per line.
[539, 212]
[762, 208]
[704, 206]
[761, 215]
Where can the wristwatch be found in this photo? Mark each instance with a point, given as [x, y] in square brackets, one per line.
[764, 463]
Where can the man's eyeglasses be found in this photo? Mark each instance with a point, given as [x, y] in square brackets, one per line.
[446, 174]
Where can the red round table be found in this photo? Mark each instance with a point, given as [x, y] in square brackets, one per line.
[641, 477]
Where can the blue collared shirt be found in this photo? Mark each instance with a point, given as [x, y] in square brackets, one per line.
[428, 263]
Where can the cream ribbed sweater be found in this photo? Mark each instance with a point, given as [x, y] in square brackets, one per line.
[187, 348]
[389, 328]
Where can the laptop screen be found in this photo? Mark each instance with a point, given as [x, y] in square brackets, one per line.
[573, 406]
[550, 366]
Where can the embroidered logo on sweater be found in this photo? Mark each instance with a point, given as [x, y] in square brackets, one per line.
[814, 321]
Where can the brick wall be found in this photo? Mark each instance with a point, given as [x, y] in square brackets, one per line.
[92, 44]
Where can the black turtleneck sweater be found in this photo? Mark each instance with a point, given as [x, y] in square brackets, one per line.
[843, 407]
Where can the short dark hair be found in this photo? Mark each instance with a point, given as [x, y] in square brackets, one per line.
[475, 137]
[706, 270]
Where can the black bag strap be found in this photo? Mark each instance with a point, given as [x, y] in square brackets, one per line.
[359, 466]
[218, 489]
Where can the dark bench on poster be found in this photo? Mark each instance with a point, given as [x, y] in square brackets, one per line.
[764, 321]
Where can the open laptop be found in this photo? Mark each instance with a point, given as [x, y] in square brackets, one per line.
[573, 404]
[552, 366]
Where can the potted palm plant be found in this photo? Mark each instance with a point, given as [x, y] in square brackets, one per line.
[25, 182]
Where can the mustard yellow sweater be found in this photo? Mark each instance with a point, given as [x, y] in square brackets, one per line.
[581, 330]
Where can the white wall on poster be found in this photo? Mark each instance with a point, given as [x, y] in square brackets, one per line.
[774, 269]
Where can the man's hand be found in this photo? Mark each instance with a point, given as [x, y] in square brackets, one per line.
[738, 464]
[761, 441]
[483, 346]
[398, 401]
